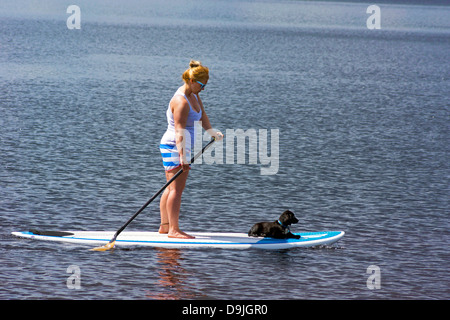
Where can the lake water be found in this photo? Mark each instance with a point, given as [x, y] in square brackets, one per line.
[363, 120]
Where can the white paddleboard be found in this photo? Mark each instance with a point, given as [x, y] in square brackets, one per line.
[202, 239]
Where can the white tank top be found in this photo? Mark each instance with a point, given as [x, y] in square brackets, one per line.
[193, 116]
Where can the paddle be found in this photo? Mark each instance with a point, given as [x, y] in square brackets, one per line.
[112, 242]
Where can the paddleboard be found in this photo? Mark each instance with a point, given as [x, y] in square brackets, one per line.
[202, 239]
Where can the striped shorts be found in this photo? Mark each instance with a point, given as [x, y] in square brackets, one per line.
[170, 156]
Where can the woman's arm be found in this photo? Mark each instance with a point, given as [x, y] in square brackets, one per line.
[206, 124]
[180, 110]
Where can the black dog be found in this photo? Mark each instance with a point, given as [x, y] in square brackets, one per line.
[278, 229]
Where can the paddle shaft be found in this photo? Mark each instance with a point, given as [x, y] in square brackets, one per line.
[159, 192]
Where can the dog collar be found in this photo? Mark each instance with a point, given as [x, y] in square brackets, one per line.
[287, 227]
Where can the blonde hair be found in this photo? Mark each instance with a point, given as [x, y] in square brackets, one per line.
[196, 72]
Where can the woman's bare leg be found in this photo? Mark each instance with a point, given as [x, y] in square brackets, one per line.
[170, 205]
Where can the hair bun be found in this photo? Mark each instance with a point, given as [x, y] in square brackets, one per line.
[196, 71]
[194, 64]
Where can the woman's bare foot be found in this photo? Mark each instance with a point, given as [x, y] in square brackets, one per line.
[164, 228]
[179, 235]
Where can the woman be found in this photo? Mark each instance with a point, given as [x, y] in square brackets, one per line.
[185, 108]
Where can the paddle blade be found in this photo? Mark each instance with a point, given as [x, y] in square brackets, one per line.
[106, 247]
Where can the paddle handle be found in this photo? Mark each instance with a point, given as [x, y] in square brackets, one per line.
[159, 191]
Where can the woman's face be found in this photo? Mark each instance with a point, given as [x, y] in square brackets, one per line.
[197, 85]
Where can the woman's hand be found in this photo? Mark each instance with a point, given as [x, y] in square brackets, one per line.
[215, 134]
[184, 164]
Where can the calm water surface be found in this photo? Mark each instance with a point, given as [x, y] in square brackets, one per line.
[363, 120]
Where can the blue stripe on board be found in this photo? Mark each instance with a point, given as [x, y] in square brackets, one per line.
[147, 241]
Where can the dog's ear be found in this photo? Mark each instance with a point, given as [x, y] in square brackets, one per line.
[290, 217]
